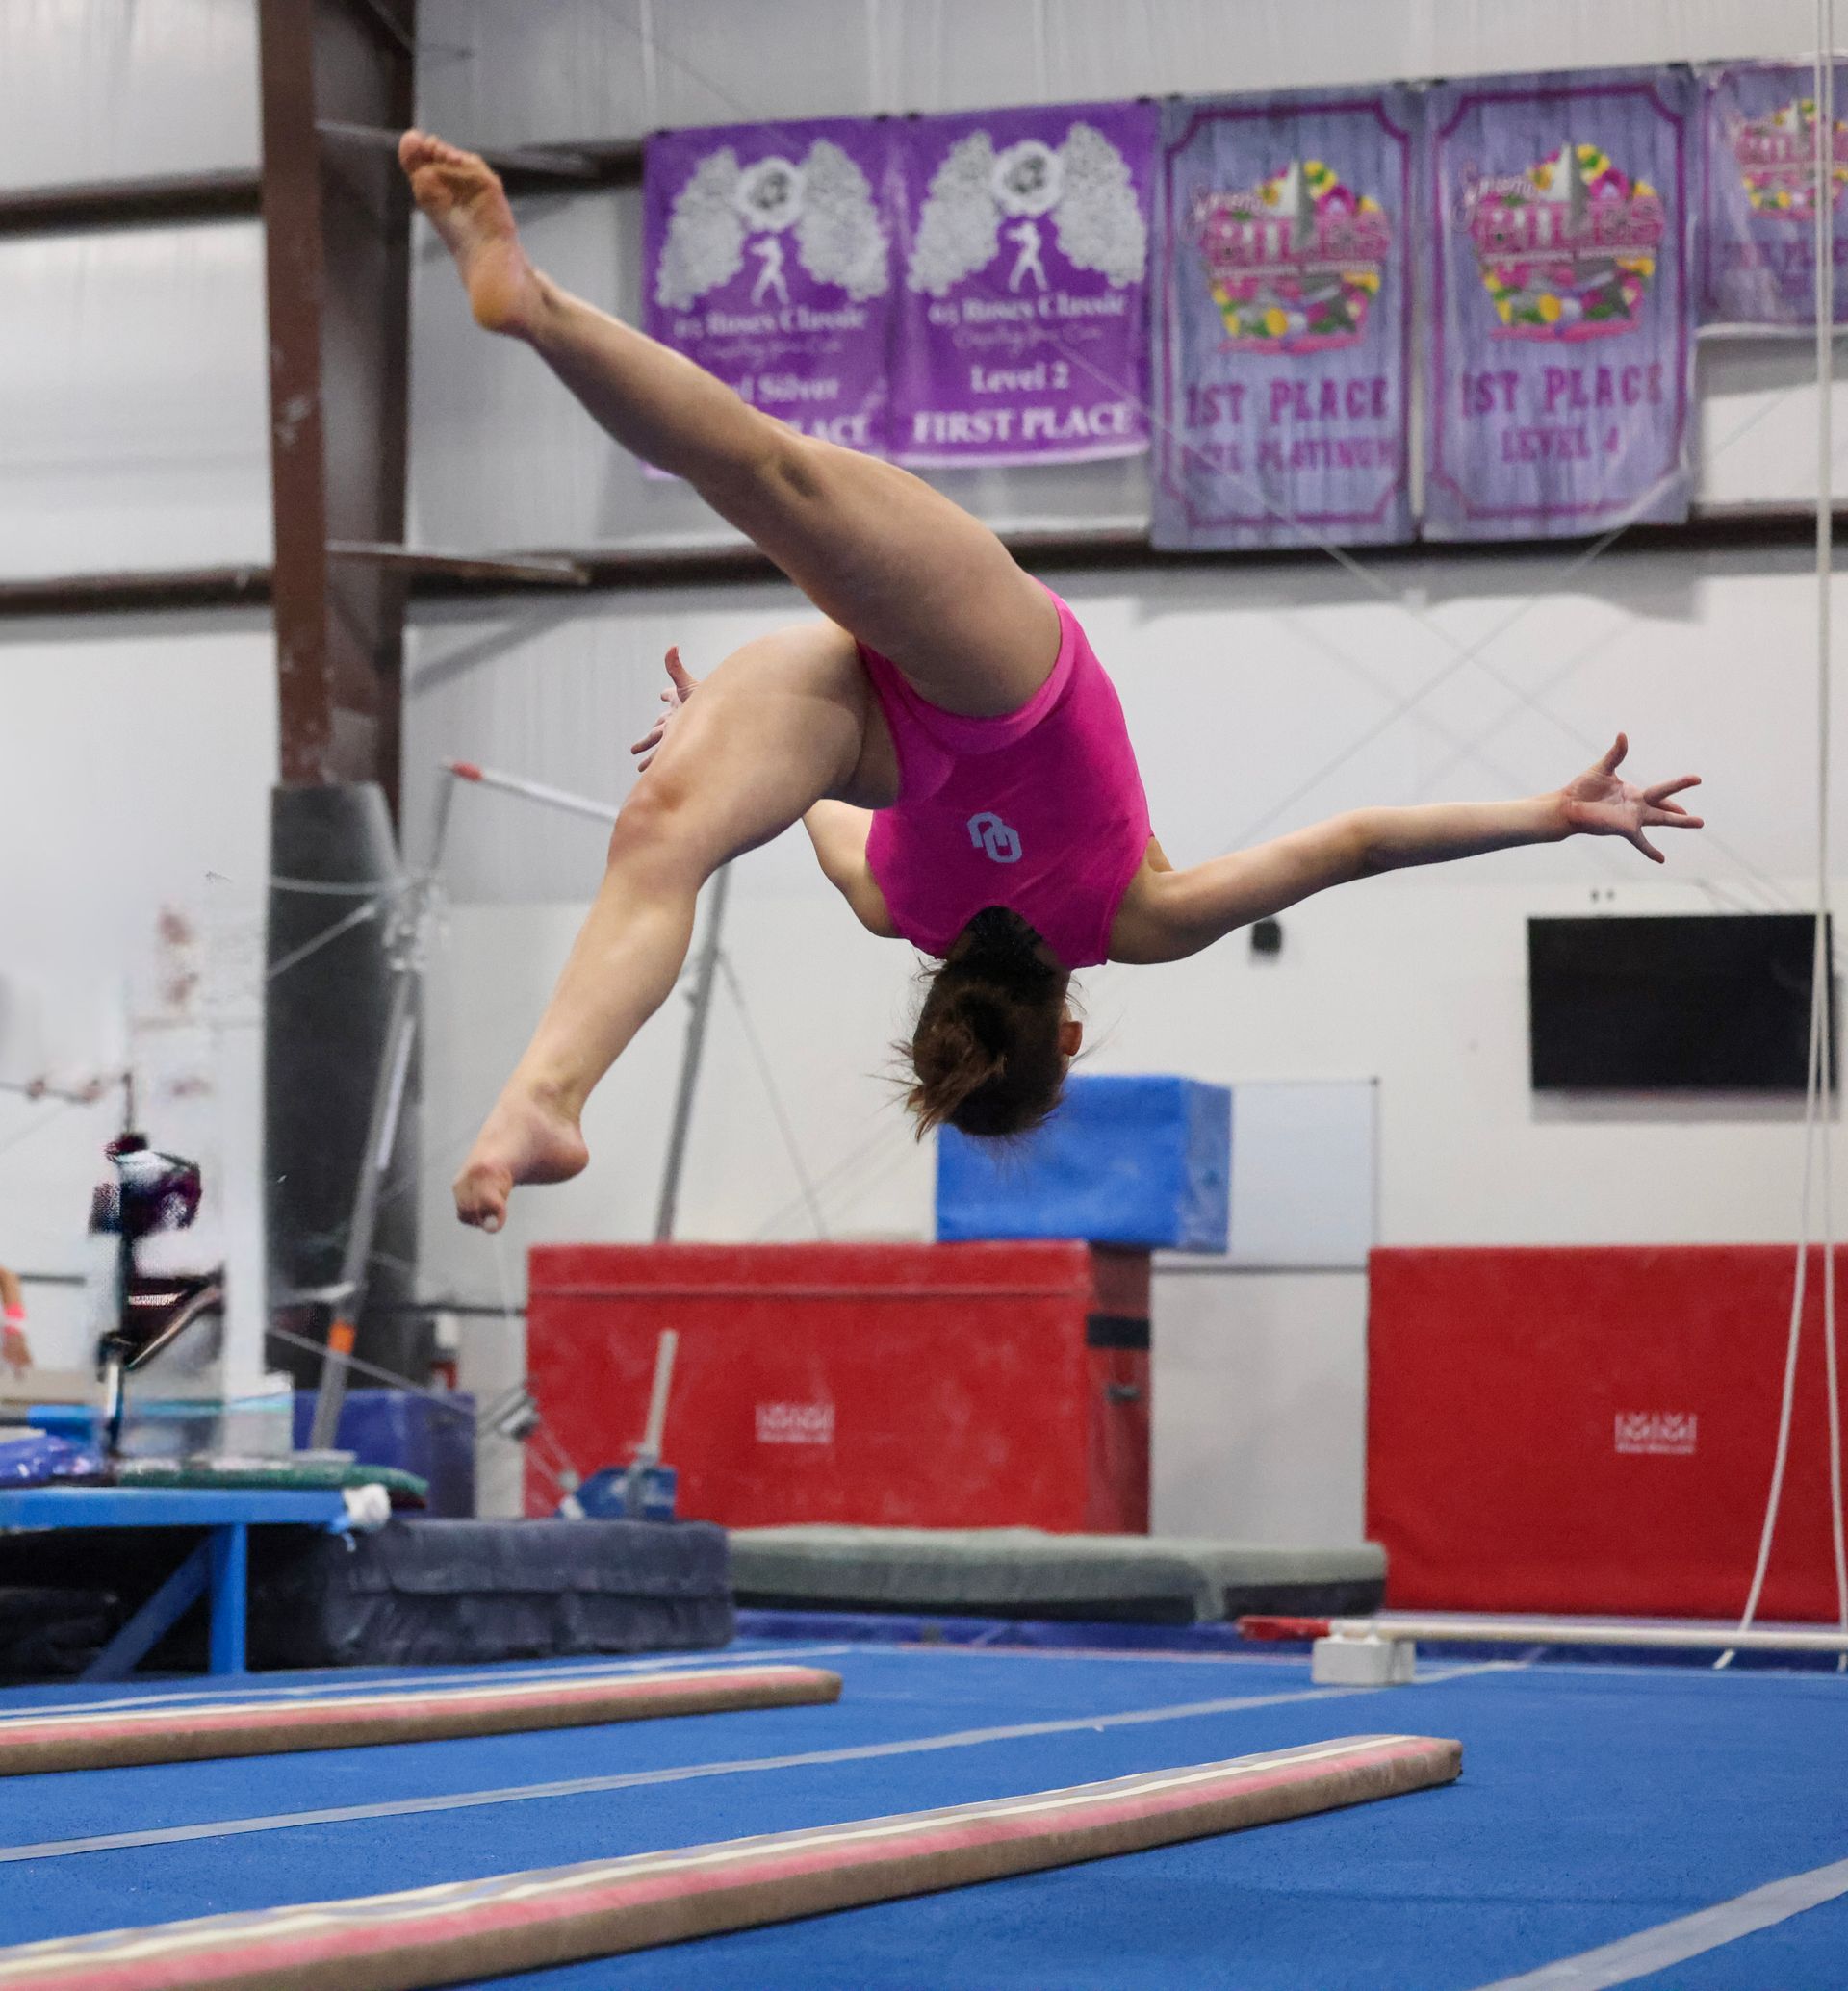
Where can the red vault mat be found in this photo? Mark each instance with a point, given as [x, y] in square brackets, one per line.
[977, 1385]
[1592, 1429]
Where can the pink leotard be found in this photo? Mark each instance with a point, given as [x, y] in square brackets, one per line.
[1040, 810]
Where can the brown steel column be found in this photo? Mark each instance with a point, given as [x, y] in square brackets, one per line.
[337, 228]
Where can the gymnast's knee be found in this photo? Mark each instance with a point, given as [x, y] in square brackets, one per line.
[659, 832]
[785, 469]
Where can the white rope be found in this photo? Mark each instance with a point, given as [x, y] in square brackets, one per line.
[774, 1093]
[1816, 1099]
[360, 916]
[1822, 1006]
[324, 888]
[1799, 1287]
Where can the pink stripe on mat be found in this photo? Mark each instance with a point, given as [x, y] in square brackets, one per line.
[40, 1743]
[515, 1922]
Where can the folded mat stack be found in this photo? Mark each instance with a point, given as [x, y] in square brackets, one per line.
[431, 1591]
[1024, 1573]
[419, 1591]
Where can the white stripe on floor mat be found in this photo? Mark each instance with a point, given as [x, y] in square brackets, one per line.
[489, 1673]
[588, 1786]
[1650, 1949]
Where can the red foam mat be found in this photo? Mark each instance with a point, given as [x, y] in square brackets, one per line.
[885, 1384]
[34, 1743]
[447, 1935]
[1590, 1430]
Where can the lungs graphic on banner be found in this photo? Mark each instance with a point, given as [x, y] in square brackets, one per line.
[1283, 312]
[768, 261]
[1559, 379]
[1022, 328]
[1758, 196]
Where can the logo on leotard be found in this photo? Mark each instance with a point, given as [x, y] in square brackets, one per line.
[993, 838]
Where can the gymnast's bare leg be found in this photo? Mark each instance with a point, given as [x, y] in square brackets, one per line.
[908, 573]
[889, 561]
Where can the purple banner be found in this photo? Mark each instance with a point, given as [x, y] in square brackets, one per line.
[1561, 348]
[1283, 313]
[1023, 329]
[1758, 196]
[768, 257]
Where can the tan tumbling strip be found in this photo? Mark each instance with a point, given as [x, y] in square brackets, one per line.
[40, 1743]
[519, 1922]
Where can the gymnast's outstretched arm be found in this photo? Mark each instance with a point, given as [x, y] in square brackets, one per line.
[1168, 914]
[779, 725]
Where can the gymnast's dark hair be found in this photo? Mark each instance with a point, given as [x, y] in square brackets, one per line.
[985, 1050]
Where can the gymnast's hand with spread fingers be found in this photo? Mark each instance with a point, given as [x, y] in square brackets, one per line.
[1601, 803]
[681, 684]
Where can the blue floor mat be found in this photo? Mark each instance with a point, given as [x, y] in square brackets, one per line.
[1595, 1803]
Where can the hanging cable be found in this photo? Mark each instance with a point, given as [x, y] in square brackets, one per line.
[1822, 1003]
[361, 915]
[37, 1126]
[774, 1093]
[1816, 1114]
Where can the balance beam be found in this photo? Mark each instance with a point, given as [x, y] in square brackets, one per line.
[519, 1922]
[34, 1743]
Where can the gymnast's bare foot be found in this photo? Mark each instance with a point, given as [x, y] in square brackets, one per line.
[464, 199]
[531, 1136]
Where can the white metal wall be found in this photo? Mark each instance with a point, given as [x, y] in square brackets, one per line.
[114, 89]
[136, 754]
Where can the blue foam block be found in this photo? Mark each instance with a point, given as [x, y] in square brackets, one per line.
[1124, 1160]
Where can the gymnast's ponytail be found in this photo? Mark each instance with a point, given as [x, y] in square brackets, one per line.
[986, 1052]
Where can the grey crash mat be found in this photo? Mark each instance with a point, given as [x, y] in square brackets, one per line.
[1024, 1573]
[431, 1591]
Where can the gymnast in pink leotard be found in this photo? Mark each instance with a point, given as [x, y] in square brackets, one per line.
[1039, 812]
[944, 734]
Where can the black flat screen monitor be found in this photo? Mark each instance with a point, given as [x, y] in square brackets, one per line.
[1708, 1002]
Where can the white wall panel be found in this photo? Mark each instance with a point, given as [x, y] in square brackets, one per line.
[134, 423]
[1756, 441]
[135, 759]
[1261, 697]
[1110, 48]
[501, 454]
[1305, 1168]
[507, 72]
[1259, 1407]
[105, 90]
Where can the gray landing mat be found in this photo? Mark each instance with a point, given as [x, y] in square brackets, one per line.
[1025, 1572]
